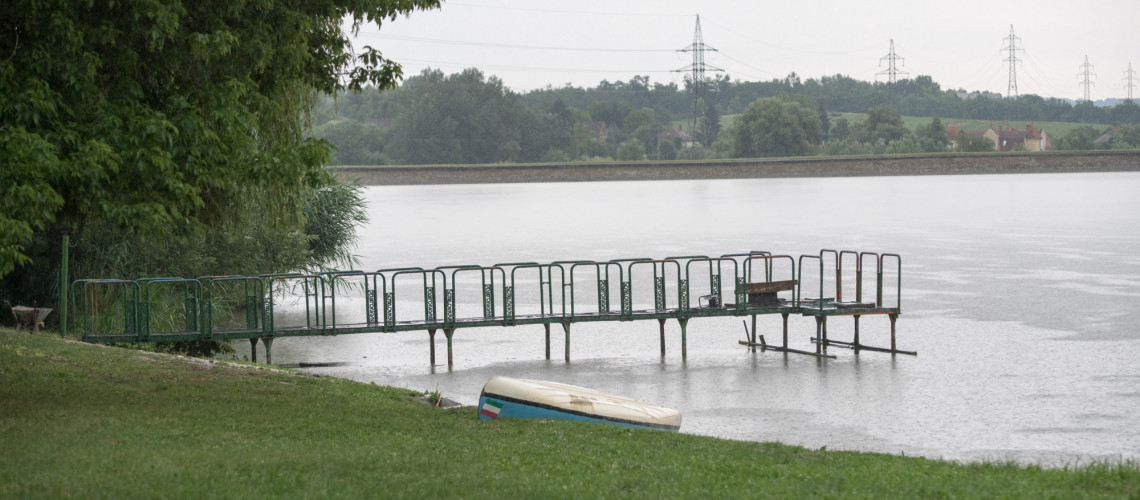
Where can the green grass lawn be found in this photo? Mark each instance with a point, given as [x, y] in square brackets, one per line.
[86, 421]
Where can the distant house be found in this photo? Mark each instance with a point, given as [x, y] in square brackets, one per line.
[967, 96]
[1106, 136]
[686, 140]
[1005, 138]
[599, 131]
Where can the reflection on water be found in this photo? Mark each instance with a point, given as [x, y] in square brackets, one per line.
[1017, 294]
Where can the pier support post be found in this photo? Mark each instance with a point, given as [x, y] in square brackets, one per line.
[253, 349]
[268, 341]
[753, 339]
[546, 326]
[431, 341]
[661, 321]
[684, 337]
[448, 332]
[856, 346]
[819, 321]
[566, 328]
[893, 318]
[785, 315]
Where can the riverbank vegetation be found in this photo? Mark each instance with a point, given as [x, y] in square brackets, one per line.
[172, 138]
[472, 118]
[89, 421]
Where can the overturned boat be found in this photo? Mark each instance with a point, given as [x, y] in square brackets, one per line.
[506, 397]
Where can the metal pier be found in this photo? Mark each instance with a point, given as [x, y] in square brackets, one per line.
[450, 298]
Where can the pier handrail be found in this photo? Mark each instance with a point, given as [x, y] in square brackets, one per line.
[545, 293]
[898, 285]
[714, 277]
[659, 282]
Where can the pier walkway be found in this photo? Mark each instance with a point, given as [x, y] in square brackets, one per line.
[450, 298]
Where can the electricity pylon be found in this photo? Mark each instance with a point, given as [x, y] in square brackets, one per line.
[1129, 80]
[892, 70]
[1086, 75]
[1012, 60]
[698, 67]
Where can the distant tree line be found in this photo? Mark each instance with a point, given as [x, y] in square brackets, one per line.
[468, 117]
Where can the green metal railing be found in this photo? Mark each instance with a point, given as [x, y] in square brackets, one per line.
[414, 298]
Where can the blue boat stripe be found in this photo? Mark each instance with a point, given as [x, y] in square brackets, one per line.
[580, 413]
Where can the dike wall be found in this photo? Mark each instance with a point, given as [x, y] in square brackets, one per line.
[938, 164]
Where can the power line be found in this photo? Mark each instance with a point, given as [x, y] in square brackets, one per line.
[507, 45]
[1012, 60]
[1086, 74]
[892, 70]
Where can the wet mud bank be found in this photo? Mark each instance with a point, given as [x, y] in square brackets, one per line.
[945, 164]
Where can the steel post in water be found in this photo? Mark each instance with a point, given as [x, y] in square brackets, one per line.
[856, 346]
[893, 318]
[819, 334]
[566, 327]
[753, 339]
[448, 332]
[431, 340]
[785, 315]
[662, 323]
[684, 340]
[546, 326]
[253, 349]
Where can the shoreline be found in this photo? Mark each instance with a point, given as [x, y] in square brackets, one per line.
[852, 166]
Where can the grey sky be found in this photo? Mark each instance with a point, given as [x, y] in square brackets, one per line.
[532, 44]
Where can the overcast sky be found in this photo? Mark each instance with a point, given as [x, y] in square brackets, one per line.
[532, 44]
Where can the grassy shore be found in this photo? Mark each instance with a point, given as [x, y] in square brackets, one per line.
[78, 420]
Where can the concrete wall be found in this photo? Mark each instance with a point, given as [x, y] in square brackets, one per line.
[944, 164]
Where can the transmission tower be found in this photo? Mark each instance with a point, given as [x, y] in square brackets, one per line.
[698, 67]
[1012, 60]
[893, 61]
[1086, 75]
[1129, 80]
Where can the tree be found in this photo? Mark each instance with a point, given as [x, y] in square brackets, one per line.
[780, 126]
[151, 120]
[1079, 139]
[975, 144]
[933, 138]
[883, 123]
[708, 126]
[460, 118]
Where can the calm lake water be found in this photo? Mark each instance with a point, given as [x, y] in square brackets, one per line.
[1019, 294]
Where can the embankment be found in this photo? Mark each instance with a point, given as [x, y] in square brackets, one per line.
[931, 164]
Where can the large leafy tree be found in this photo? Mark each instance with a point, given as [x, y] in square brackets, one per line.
[155, 120]
[780, 126]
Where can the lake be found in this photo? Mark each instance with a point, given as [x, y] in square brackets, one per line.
[1018, 295]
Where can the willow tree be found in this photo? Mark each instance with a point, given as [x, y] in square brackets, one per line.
[176, 125]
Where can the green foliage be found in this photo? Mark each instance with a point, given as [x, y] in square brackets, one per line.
[354, 143]
[782, 126]
[708, 125]
[974, 144]
[332, 214]
[840, 130]
[847, 147]
[461, 118]
[155, 126]
[883, 123]
[84, 421]
[632, 150]
[1078, 139]
[933, 137]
